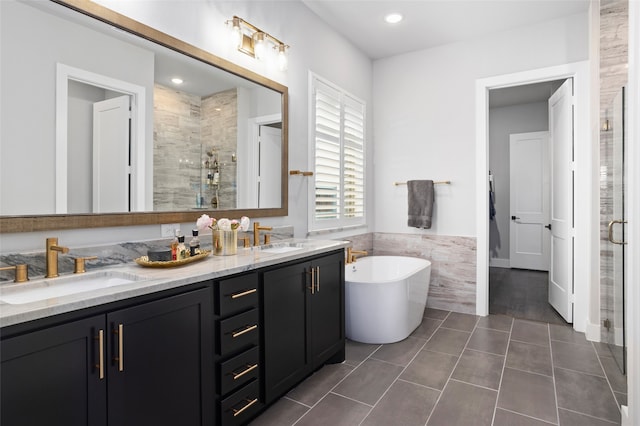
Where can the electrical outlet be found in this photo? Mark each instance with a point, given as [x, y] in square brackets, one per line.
[169, 229]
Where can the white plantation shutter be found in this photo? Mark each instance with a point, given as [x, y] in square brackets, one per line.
[338, 136]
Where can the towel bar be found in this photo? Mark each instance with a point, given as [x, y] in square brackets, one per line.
[440, 182]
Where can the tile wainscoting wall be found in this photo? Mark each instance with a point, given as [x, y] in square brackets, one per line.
[453, 264]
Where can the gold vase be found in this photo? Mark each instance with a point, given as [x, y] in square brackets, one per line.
[225, 243]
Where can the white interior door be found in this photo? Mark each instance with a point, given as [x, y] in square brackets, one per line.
[111, 167]
[529, 201]
[270, 142]
[561, 143]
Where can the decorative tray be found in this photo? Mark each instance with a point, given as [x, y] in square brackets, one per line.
[144, 261]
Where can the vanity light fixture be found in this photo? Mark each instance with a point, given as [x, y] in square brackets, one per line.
[254, 42]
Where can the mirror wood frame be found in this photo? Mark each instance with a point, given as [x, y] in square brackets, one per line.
[33, 223]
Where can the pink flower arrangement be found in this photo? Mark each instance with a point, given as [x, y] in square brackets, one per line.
[222, 224]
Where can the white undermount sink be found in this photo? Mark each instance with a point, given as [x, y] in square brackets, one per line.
[49, 288]
[279, 248]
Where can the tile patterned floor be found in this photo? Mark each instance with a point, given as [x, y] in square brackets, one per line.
[459, 369]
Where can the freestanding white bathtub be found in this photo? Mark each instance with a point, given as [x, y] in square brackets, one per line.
[385, 297]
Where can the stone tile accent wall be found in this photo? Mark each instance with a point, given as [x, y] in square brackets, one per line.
[185, 128]
[453, 264]
[613, 76]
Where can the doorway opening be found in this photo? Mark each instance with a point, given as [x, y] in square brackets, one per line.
[520, 197]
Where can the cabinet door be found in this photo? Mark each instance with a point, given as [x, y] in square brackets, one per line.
[285, 313]
[327, 309]
[161, 356]
[51, 377]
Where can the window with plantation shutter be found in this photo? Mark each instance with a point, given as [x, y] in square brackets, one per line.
[338, 134]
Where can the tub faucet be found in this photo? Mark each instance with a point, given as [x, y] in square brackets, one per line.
[351, 254]
[52, 256]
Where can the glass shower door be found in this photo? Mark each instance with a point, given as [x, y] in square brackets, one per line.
[616, 232]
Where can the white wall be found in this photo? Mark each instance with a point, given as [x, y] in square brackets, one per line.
[314, 47]
[425, 116]
[504, 121]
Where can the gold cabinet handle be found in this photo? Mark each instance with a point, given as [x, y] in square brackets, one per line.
[313, 280]
[243, 293]
[249, 404]
[249, 369]
[120, 357]
[100, 365]
[318, 279]
[613, 222]
[243, 331]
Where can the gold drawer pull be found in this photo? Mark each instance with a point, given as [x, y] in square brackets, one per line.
[243, 331]
[249, 368]
[244, 293]
[250, 403]
[100, 365]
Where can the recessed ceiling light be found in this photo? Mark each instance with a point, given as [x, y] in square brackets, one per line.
[176, 80]
[393, 18]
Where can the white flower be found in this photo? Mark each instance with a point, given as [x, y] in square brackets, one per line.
[204, 222]
[244, 223]
[224, 224]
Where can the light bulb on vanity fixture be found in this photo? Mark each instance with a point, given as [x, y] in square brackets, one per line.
[253, 41]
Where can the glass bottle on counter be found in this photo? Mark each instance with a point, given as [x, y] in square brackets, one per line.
[174, 246]
[194, 244]
[181, 250]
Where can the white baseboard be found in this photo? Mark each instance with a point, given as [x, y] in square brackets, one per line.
[499, 263]
[592, 333]
[624, 413]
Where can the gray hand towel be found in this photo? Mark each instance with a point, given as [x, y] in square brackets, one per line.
[420, 203]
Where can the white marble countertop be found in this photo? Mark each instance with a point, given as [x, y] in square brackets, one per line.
[155, 279]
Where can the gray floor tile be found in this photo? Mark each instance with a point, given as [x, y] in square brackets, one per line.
[496, 322]
[565, 333]
[462, 322]
[426, 329]
[617, 380]
[448, 341]
[570, 418]
[507, 418]
[282, 413]
[529, 357]
[529, 394]
[576, 357]
[463, 404]
[399, 353]
[430, 369]
[435, 313]
[479, 368]
[357, 352]
[602, 349]
[621, 398]
[405, 404]
[585, 393]
[319, 384]
[369, 381]
[491, 341]
[530, 332]
[335, 410]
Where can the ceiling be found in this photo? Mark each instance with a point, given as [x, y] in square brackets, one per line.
[429, 23]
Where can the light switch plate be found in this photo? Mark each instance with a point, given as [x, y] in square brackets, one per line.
[169, 229]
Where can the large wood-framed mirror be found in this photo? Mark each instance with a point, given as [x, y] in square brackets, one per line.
[95, 134]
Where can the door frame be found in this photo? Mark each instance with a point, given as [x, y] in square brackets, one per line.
[64, 73]
[586, 178]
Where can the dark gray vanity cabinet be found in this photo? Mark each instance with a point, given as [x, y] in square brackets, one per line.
[303, 327]
[149, 363]
[237, 355]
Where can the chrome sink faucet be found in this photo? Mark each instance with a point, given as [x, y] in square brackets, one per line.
[52, 256]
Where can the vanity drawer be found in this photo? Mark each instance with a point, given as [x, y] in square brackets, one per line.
[238, 332]
[239, 370]
[241, 405]
[236, 294]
